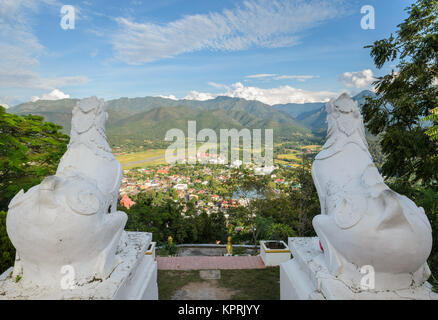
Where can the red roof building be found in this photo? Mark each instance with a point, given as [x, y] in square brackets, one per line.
[126, 202]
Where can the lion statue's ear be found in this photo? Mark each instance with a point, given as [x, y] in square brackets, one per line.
[331, 109]
[82, 122]
[84, 114]
[84, 202]
[89, 104]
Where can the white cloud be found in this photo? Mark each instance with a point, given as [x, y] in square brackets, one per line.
[273, 76]
[53, 95]
[271, 96]
[300, 78]
[360, 79]
[33, 80]
[261, 75]
[218, 85]
[200, 96]
[257, 23]
[171, 97]
[8, 101]
[20, 49]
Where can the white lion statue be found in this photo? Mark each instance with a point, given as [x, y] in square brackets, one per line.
[71, 218]
[363, 222]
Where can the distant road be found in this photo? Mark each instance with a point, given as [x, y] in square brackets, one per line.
[127, 164]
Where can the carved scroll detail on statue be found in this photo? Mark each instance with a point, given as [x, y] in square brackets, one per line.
[364, 222]
[346, 208]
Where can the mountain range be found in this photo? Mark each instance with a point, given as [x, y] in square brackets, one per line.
[149, 118]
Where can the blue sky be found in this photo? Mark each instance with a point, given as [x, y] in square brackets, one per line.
[272, 51]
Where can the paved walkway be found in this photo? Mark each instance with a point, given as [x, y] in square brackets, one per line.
[210, 263]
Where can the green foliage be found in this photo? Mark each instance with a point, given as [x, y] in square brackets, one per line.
[205, 233]
[434, 283]
[237, 251]
[277, 215]
[432, 132]
[427, 199]
[376, 151]
[253, 189]
[305, 201]
[163, 218]
[406, 99]
[406, 96]
[279, 231]
[147, 216]
[7, 250]
[218, 227]
[170, 248]
[30, 150]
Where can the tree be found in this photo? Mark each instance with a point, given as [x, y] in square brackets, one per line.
[406, 96]
[404, 99]
[163, 219]
[304, 199]
[279, 231]
[252, 191]
[30, 150]
[7, 250]
[218, 226]
[432, 132]
[252, 219]
[205, 232]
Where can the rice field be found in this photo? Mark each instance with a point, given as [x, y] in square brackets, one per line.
[142, 159]
[289, 156]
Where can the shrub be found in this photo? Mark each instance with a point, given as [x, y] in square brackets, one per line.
[7, 250]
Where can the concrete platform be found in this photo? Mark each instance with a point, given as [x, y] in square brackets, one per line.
[135, 278]
[306, 277]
